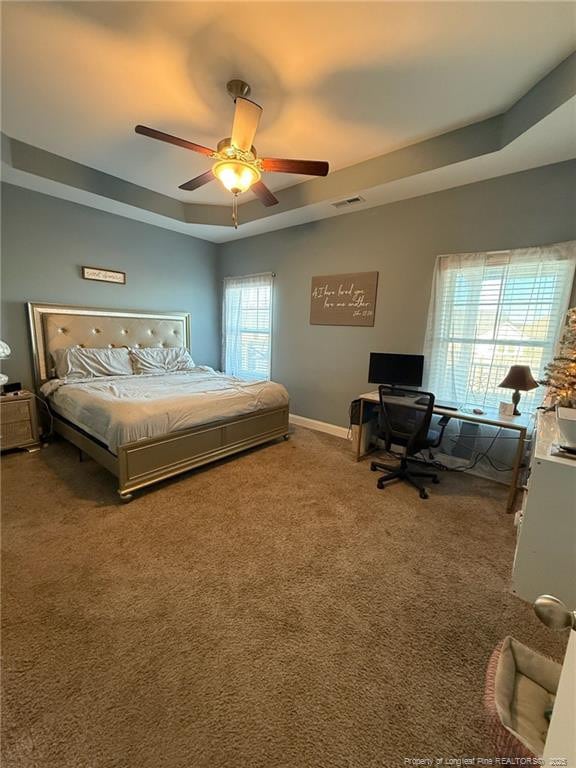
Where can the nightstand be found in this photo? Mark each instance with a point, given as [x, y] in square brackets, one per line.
[19, 422]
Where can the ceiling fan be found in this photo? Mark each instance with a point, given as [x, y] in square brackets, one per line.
[237, 164]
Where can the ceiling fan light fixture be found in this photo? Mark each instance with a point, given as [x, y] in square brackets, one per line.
[236, 175]
[237, 165]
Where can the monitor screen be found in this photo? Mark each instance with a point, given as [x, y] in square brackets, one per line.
[396, 369]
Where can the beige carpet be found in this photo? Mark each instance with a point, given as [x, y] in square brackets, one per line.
[274, 610]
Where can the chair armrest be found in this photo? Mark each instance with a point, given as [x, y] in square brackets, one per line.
[443, 423]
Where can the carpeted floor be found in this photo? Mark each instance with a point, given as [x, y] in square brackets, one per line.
[272, 611]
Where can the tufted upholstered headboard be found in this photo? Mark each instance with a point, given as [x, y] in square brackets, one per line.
[54, 326]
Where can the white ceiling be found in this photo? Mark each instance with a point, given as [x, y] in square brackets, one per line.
[341, 82]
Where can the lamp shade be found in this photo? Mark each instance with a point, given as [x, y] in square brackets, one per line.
[519, 377]
[4, 349]
[236, 176]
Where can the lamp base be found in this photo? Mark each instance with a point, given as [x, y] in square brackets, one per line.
[516, 400]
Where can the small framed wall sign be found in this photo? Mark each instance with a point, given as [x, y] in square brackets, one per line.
[104, 275]
[344, 299]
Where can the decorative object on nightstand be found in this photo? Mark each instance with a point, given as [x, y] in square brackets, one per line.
[520, 379]
[4, 353]
[19, 422]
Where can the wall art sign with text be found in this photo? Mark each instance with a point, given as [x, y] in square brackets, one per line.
[104, 275]
[344, 299]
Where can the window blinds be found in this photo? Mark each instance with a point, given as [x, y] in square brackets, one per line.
[247, 326]
[489, 311]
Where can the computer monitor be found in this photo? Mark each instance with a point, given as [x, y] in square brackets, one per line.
[403, 370]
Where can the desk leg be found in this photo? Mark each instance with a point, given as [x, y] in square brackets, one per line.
[359, 446]
[516, 470]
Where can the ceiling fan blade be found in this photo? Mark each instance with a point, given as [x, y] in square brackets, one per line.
[199, 181]
[308, 167]
[263, 194]
[246, 119]
[161, 136]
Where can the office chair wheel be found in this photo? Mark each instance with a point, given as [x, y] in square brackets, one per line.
[373, 467]
[423, 493]
[380, 483]
[435, 480]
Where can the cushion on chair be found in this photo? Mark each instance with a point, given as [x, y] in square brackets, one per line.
[432, 437]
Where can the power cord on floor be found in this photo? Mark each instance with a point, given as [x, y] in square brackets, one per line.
[479, 456]
[436, 464]
[50, 415]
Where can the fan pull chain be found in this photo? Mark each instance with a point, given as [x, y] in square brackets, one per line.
[235, 211]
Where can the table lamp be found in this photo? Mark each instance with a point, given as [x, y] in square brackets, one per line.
[4, 353]
[519, 378]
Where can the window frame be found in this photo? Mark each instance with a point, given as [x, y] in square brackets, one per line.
[268, 280]
[441, 339]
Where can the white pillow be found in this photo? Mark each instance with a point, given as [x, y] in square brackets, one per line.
[161, 359]
[83, 363]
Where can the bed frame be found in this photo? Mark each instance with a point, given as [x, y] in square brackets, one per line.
[145, 462]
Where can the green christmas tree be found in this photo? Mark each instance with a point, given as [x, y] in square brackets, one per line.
[560, 374]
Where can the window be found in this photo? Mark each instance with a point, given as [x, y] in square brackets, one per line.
[247, 326]
[489, 311]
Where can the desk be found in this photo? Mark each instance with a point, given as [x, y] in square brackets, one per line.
[490, 417]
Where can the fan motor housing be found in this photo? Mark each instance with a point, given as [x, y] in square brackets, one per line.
[225, 147]
[238, 88]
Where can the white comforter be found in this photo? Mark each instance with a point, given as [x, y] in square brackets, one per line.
[123, 409]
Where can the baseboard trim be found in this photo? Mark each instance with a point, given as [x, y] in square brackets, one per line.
[320, 426]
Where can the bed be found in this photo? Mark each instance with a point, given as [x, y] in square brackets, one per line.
[147, 427]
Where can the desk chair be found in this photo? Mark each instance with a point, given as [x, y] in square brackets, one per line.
[407, 424]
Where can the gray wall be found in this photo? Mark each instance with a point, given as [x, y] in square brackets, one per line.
[46, 240]
[324, 367]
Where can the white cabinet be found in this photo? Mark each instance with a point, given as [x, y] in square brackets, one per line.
[545, 560]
